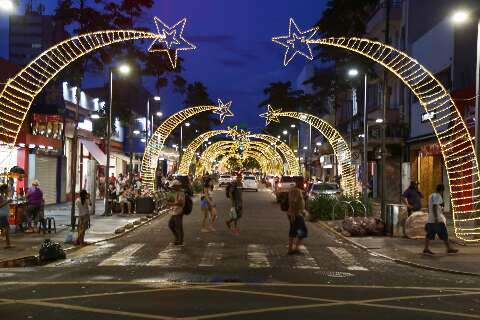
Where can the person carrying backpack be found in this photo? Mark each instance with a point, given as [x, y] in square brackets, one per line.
[235, 194]
[176, 213]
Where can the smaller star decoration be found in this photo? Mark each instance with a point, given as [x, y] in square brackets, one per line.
[297, 42]
[170, 40]
[223, 110]
[242, 136]
[271, 115]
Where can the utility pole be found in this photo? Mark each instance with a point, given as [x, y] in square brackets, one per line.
[386, 102]
[109, 136]
[73, 160]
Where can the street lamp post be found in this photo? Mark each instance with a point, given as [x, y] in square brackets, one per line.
[7, 5]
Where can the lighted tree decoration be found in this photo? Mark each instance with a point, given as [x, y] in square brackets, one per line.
[455, 141]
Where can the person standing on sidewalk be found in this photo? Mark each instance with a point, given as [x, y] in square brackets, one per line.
[412, 198]
[34, 202]
[298, 229]
[436, 221]
[234, 192]
[84, 207]
[4, 205]
[176, 219]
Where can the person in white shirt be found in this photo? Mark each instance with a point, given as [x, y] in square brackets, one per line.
[436, 221]
[83, 205]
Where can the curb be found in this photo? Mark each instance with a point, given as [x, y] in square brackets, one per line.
[13, 262]
[396, 260]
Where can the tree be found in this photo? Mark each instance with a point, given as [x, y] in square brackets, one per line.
[234, 164]
[250, 164]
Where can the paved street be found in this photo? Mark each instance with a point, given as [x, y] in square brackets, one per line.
[218, 275]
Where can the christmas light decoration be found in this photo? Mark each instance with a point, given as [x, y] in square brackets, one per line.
[243, 137]
[339, 145]
[156, 142]
[224, 110]
[456, 143]
[171, 40]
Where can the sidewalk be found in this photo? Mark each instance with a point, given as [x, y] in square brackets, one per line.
[102, 228]
[409, 251]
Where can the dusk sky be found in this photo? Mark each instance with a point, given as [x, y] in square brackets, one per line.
[235, 57]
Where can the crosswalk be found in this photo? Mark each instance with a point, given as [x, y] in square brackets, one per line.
[217, 254]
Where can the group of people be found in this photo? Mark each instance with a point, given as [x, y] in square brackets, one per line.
[436, 221]
[122, 190]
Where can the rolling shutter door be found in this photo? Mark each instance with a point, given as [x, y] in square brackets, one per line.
[46, 174]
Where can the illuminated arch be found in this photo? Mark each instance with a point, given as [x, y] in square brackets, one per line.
[452, 133]
[157, 140]
[255, 155]
[20, 91]
[339, 145]
[283, 149]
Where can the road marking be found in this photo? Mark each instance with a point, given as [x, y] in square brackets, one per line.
[305, 260]
[166, 257]
[212, 255]
[122, 257]
[257, 256]
[347, 259]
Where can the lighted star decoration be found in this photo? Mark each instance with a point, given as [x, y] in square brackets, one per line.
[296, 42]
[224, 110]
[242, 136]
[271, 115]
[171, 40]
[232, 132]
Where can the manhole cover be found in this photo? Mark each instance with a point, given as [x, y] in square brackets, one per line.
[335, 274]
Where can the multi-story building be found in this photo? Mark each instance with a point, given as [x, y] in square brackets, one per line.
[32, 33]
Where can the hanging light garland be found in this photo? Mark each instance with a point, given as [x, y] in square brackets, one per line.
[456, 143]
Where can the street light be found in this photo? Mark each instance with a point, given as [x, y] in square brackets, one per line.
[379, 120]
[459, 17]
[292, 125]
[187, 124]
[159, 114]
[156, 98]
[95, 116]
[124, 69]
[136, 132]
[7, 5]
[354, 73]
[285, 132]
[318, 144]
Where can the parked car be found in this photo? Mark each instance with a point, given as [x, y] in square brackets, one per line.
[250, 183]
[224, 180]
[323, 188]
[286, 183]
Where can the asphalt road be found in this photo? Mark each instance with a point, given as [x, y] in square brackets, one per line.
[218, 275]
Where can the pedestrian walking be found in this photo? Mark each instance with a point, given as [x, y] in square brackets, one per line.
[436, 221]
[4, 205]
[111, 198]
[84, 206]
[298, 230]
[412, 198]
[101, 187]
[176, 213]
[234, 192]
[34, 204]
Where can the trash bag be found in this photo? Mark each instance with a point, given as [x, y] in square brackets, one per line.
[51, 251]
[355, 226]
[375, 227]
[415, 225]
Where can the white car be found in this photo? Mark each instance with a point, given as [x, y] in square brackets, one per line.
[224, 180]
[250, 183]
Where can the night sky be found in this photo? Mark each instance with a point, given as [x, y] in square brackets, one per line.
[235, 57]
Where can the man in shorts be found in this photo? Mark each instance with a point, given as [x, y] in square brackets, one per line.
[235, 194]
[436, 221]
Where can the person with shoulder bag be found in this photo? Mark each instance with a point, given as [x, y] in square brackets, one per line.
[298, 229]
[176, 213]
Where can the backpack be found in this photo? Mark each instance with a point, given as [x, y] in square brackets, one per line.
[227, 190]
[284, 204]
[187, 208]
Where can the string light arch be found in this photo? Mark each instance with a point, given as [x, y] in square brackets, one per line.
[339, 145]
[455, 140]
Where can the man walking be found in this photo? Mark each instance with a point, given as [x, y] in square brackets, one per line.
[176, 219]
[412, 198]
[235, 194]
[436, 221]
[298, 229]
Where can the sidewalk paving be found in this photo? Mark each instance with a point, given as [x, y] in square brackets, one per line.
[102, 228]
[409, 251]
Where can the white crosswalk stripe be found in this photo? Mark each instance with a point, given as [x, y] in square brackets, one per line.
[212, 255]
[167, 257]
[123, 257]
[305, 260]
[257, 256]
[347, 259]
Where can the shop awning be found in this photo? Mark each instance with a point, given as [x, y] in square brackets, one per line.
[96, 152]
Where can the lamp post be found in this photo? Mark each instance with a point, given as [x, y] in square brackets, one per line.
[187, 124]
[124, 69]
[459, 17]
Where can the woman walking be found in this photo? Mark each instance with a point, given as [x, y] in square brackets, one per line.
[83, 205]
[298, 229]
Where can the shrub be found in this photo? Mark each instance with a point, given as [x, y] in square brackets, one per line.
[322, 206]
[197, 186]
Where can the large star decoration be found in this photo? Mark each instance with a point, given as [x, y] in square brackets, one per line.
[223, 110]
[296, 42]
[171, 40]
[232, 132]
[271, 115]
